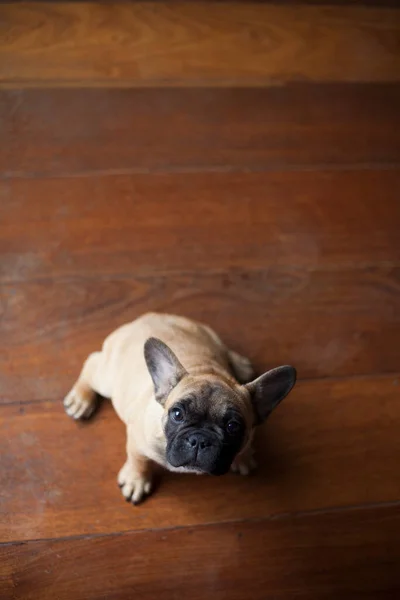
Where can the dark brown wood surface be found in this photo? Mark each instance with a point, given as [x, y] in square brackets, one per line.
[119, 225]
[275, 316]
[89, 253]
[69, 131]
[350, 555]
[237, 163]
[196, 44]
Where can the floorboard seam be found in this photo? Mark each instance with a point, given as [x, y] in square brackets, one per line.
[199, 272]
[276, 517]
[195, 169]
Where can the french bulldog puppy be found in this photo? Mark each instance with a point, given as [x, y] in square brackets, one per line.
[189, 403]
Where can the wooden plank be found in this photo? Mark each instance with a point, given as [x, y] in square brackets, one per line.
[332, 443]
[147, 224]
[69, 131]
[327, 323]
[349, 555]
[196, 44]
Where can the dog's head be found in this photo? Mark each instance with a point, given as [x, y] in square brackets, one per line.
[208, 419]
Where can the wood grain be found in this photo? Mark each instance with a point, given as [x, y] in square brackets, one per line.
[308, 262]
[332, 443]
[327, 323]
[147, 224]
[351, 555]
[238, 163]
[138, 44]
[69, 131]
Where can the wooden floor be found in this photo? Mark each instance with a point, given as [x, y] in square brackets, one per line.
[238, 163]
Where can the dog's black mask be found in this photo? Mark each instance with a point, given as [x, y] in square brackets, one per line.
[197, 441]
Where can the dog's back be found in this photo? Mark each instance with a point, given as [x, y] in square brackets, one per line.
[197, 346]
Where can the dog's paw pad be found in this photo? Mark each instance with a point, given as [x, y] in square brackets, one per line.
[134, 488]
[244, 467]
[77, 406]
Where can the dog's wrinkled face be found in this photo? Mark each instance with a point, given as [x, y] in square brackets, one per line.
[205, 425]
[208, 419]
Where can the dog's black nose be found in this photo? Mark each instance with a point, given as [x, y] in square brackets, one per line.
[198, 441]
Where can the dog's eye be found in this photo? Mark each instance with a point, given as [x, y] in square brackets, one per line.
[233, 427]
[177, 414]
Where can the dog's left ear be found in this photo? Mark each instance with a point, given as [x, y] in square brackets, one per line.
[269, 389]
[165, 369]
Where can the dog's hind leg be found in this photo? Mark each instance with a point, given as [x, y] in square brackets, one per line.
[81, 402]
[241, 367]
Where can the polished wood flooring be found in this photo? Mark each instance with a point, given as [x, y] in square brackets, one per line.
[238, 163]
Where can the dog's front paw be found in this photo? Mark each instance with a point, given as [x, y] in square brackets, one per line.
[134, 487]
[79, 405]
[244, 464]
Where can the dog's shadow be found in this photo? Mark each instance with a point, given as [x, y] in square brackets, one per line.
[278, 456]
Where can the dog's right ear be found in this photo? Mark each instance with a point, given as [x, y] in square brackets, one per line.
[270, 389]
[165, 369]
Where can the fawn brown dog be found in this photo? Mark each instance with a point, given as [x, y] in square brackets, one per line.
[189, 403]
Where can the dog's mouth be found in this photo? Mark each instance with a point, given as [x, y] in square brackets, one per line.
[185, 468]
[180, 462]
[185, 465]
